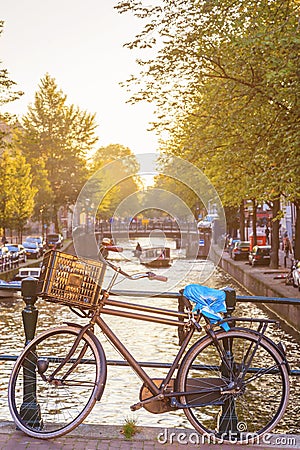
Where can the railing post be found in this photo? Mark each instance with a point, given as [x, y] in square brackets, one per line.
[30, 312]
[228, 419]
[30, 410]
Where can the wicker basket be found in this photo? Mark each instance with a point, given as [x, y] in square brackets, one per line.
[70, 281]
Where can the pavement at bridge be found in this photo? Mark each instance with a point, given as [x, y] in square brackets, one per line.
[105, 437]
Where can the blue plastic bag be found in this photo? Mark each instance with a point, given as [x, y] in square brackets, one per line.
[210, 302]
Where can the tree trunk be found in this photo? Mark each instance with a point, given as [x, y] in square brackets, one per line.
[242, 221]
[55, 219]
[254, 221]
[296, 243]
[275, 234]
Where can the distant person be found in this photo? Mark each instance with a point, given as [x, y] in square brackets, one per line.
[107, 245]
[267, 232]
[287, 247]
[138, 250]
[162, 255]
[103, 250]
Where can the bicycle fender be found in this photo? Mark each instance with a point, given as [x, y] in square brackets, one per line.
[102, 356]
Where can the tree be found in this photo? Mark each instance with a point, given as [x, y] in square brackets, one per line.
[23, 194]
[17, 192]
[56, 138]
[249, 45]
[7, 92]
[225, 82]
[123, 170]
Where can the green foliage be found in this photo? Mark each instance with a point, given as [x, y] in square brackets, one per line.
[226, 85]
[114, 178]
[16, 191]
[55, 139]
[7, 92]
[130, 428]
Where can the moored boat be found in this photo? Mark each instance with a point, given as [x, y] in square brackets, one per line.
[156, 257]
[10, 289]
[25, 272]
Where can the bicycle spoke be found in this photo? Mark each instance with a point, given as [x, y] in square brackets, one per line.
[261, 372]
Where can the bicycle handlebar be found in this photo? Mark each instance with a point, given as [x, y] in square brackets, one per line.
[154, 276]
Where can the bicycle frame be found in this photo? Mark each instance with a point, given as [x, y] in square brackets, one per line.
[185, 320]
[181, 322]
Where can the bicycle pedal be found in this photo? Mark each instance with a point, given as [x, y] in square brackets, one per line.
[136, 406]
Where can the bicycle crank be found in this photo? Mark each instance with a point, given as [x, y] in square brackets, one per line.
[157, 404]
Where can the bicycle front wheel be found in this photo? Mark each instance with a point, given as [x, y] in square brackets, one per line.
[241, 398]
[49, 396]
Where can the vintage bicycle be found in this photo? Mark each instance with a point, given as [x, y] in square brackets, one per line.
[232, 383]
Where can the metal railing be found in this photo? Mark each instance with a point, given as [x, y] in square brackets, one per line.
[30, 313]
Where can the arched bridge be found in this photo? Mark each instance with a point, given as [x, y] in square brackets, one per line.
[139, 229]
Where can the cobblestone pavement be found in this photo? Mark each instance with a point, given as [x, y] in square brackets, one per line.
[94, 437]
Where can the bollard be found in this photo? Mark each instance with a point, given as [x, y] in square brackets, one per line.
[29, 313]
[228, 421]
[30, 410]
[230, 300]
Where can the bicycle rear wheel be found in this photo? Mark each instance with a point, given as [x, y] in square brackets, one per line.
[235, 403]
[45, 404]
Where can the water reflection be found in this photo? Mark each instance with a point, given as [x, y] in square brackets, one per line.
[147, 341]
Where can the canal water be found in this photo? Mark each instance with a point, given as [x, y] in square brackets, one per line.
[147, 341]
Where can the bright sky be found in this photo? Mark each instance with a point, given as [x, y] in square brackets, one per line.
[80, 44]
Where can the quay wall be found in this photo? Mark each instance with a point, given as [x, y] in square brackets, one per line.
[257, 283]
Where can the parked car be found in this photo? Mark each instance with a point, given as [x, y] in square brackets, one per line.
[54, 240]
[260, 255]
[240, 250]
[18, 252]
[5, 258]
[295, 274]
[207, 221]
[41, 242]
[32, 249]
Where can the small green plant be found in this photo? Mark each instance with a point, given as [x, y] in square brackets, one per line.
[129, 428]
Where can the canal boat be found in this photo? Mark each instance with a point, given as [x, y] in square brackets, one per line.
[25, 272]
[156, 257]
[137, 253]
[10, 289]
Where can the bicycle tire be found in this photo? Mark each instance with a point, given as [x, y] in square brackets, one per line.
[247, 414]
[56, 407]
